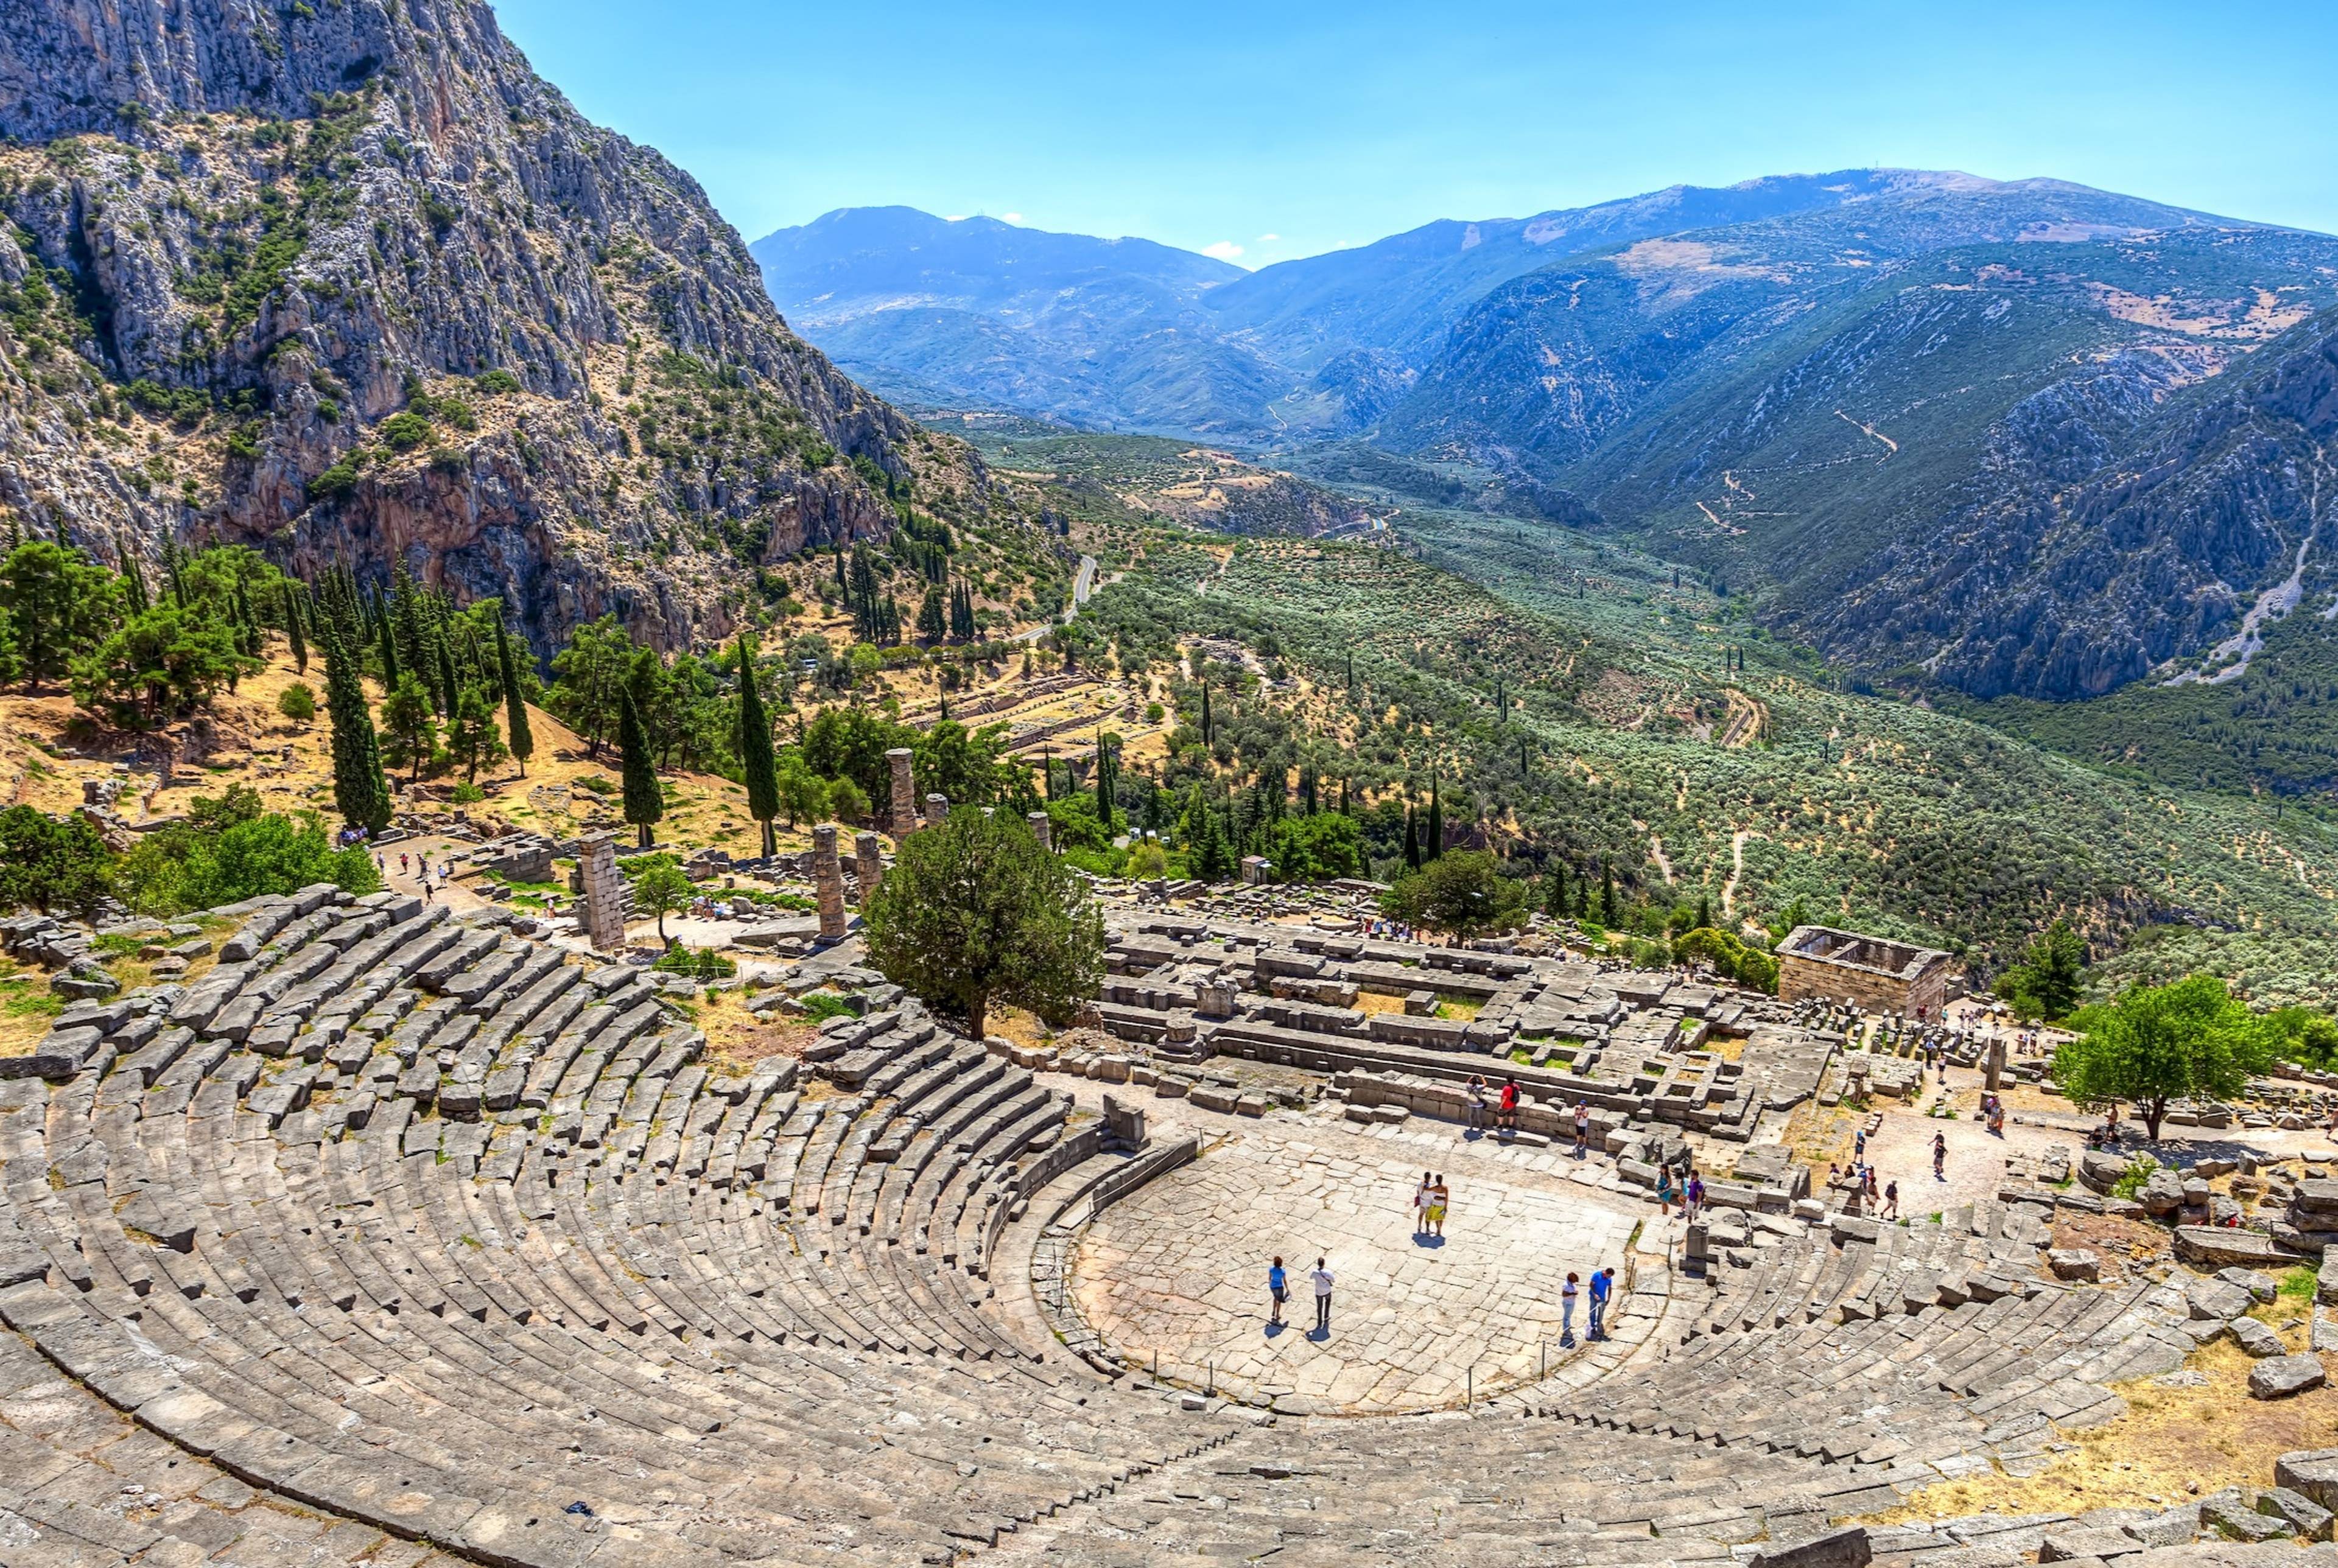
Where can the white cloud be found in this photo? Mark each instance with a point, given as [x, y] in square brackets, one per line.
[1225, 249]
[1011, 217]
[1268, 239]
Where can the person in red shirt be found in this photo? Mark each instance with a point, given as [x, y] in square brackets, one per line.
[1510, 1119]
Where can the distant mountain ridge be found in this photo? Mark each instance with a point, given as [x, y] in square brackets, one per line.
[1948, 428]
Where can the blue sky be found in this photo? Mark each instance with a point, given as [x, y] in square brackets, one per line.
[1286, 130]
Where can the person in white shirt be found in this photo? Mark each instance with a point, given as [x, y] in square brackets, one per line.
[1322, 1279]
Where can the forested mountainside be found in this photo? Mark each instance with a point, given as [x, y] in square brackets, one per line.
[352, 283]
[1956, 432]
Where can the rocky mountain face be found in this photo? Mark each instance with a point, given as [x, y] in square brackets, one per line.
[350, 282]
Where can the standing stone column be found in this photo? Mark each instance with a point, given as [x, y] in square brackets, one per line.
[866, 864]
[1042, 830]
[604, 895]
[936, 809]
[1997, 1063]
[905, 799]
[828, 882]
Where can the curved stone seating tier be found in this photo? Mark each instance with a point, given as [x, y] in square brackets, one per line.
[1909, 1397]
[393, 1223]
[433, 1227]
[1863, 1269]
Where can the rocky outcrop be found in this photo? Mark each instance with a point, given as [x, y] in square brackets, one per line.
[246, 244]
[2106, 534]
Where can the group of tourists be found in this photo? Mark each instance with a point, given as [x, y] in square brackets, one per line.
[1278, 1290]
[1505, 1114]
[1428, 1204]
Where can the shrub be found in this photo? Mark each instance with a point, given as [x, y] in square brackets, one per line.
[405, 430]
[230, 849]
[297, 703]
[467, 793]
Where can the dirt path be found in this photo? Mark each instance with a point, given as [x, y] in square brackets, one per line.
[1736, 869]
[1891, 447]
[1656, 853]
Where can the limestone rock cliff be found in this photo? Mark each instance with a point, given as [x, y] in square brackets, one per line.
[345, 279]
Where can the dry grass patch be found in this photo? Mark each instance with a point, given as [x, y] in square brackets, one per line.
[1823, 1135]
[2212, 1435]
[737, 1036]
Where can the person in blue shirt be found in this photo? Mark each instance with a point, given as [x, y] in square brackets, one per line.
[1277, 1286]
[1602, 1280]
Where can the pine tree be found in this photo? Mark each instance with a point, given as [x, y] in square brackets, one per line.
[406, 617]
[389, 657]
[134, 584]
[1433, 841]
[760, 764]
[644, 801]
[448, 689]
[292, 629]
[519, 738]
[359, 791]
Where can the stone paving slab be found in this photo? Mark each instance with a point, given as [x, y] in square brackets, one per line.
[1179, 1268]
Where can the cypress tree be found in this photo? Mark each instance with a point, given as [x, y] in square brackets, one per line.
[359, 789]
[942, 696]
[519, 738]
[1433, 841]
[389, 657]
[1411, 840]
[1555, 893]
[1704, 911]
[1345, 799]
[447, 688]
[133, 583]
[1606, 895]
[292, 629]
[1208, 729]
[756, 758]
[645, 802]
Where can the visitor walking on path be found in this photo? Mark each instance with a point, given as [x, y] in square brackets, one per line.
[1603, 1281]
[1509, 1118]
[1567, 1296]
[1438, 1196]
[1477, 1102]
[1582, 1129]
[1278, 1290]
[1892, 1201]
[1421, 1205]
[1939, 1156]
[1664, 1190]
[1322, 1279]
[1695, 1204]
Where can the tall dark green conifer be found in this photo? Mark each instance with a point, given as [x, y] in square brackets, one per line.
[448, 690]
[1208, 731]
[359, 791]
[519, 738]
[1432, 843]
[758, 761]
[389, 657]
[293, 632]
[644, 801]
[1606, 895]
[1412, 840]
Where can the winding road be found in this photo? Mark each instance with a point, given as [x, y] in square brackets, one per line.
[1082, 585]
